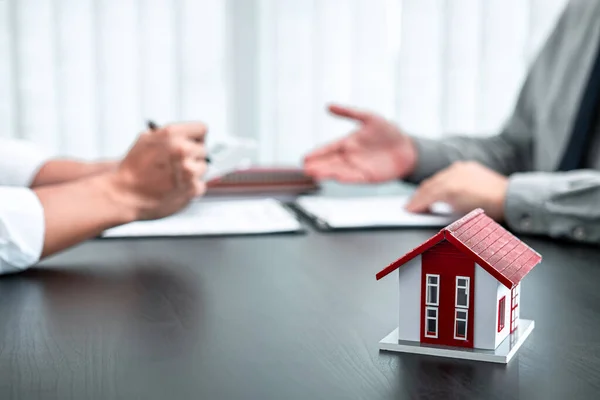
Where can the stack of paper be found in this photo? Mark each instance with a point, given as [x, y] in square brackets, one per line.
[371, 212]
[209, 218]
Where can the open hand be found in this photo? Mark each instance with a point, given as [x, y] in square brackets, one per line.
[464, 186]
[376, 152]
[162, 172]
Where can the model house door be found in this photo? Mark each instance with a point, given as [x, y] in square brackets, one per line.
[447, 297]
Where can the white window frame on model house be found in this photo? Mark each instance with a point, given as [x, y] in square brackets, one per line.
[514, 308]
[457, 319]
[432, 305]
[436, 287]
[461, 309]
[434, 318]
[501, 313]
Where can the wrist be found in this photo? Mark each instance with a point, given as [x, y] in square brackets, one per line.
[409, 156]
[119, 196]
[429, 159]
[497, 209]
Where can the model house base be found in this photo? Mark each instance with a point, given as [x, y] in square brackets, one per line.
[503, 353]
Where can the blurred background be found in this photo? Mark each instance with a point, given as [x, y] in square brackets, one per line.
[80, 77]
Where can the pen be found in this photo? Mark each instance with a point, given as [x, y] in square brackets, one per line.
[152, 126]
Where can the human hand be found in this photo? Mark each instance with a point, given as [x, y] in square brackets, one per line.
[162, 172]
[464, 186]
[376, 152]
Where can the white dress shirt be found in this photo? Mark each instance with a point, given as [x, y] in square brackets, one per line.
[21, 213]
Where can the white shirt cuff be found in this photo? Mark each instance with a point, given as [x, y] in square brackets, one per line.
[20, 162]
[22, 229]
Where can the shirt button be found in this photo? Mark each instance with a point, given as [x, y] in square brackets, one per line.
[579, 233]
[526, 223]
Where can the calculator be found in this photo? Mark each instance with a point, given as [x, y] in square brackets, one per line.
[229, 154]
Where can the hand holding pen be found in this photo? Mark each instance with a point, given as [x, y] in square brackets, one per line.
[164, 170]
[154, 127]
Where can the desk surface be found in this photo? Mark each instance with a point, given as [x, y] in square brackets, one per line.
[277, 317]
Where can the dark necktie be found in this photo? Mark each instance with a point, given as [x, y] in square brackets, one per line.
[584, 128]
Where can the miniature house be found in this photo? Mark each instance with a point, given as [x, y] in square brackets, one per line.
[460, 292]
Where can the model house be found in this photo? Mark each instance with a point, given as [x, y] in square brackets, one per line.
[459, 292]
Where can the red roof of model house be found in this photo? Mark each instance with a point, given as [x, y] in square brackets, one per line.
[495, 249]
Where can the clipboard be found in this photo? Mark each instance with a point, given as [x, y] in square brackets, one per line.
[369, 213]
[205, 218]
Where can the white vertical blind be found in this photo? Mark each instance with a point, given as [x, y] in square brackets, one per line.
[461, 77]
[204, 65]
[160, 52]
[79, 121]
[7, 78]
[80, 77]
[421, 66]
[36, 70]
[120, 69]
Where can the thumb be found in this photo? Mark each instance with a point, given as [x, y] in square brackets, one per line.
[351, 113]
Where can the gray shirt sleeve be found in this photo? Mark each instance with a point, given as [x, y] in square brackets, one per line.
[559, 205]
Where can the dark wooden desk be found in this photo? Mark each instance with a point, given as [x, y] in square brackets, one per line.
[290, 317]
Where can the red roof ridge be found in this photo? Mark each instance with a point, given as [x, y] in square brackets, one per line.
[469, 217]
[467, 233]
[464, 220]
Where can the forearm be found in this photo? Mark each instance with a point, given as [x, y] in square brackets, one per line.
[501, 153]
[559, 205]
[64, 170]
[80, 210]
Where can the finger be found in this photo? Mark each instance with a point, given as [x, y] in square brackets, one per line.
[429, 192]
[359, 161]
[175, 162]
[193, 170]
[195, 189]
[337, 169]
[351, 113]
[186, 149]
[196, 151]
[325, 150]
[334, 147]
[199, 188]
[321, 169]
[362, 166]
[193, 131]
[350, 175]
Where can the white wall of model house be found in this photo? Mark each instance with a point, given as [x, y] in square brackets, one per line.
[502, 291]
[409, 322]
[488, 292]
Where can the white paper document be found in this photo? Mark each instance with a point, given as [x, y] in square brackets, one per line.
[209, 218]
[371, 212]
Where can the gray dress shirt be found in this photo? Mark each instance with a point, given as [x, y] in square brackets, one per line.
[529, 148]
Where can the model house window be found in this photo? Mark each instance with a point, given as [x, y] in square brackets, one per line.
[462, 304]
[460, 325]
[462, 291]
[431, 322]
[501, 313]
[514, 309]
[433, 290]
